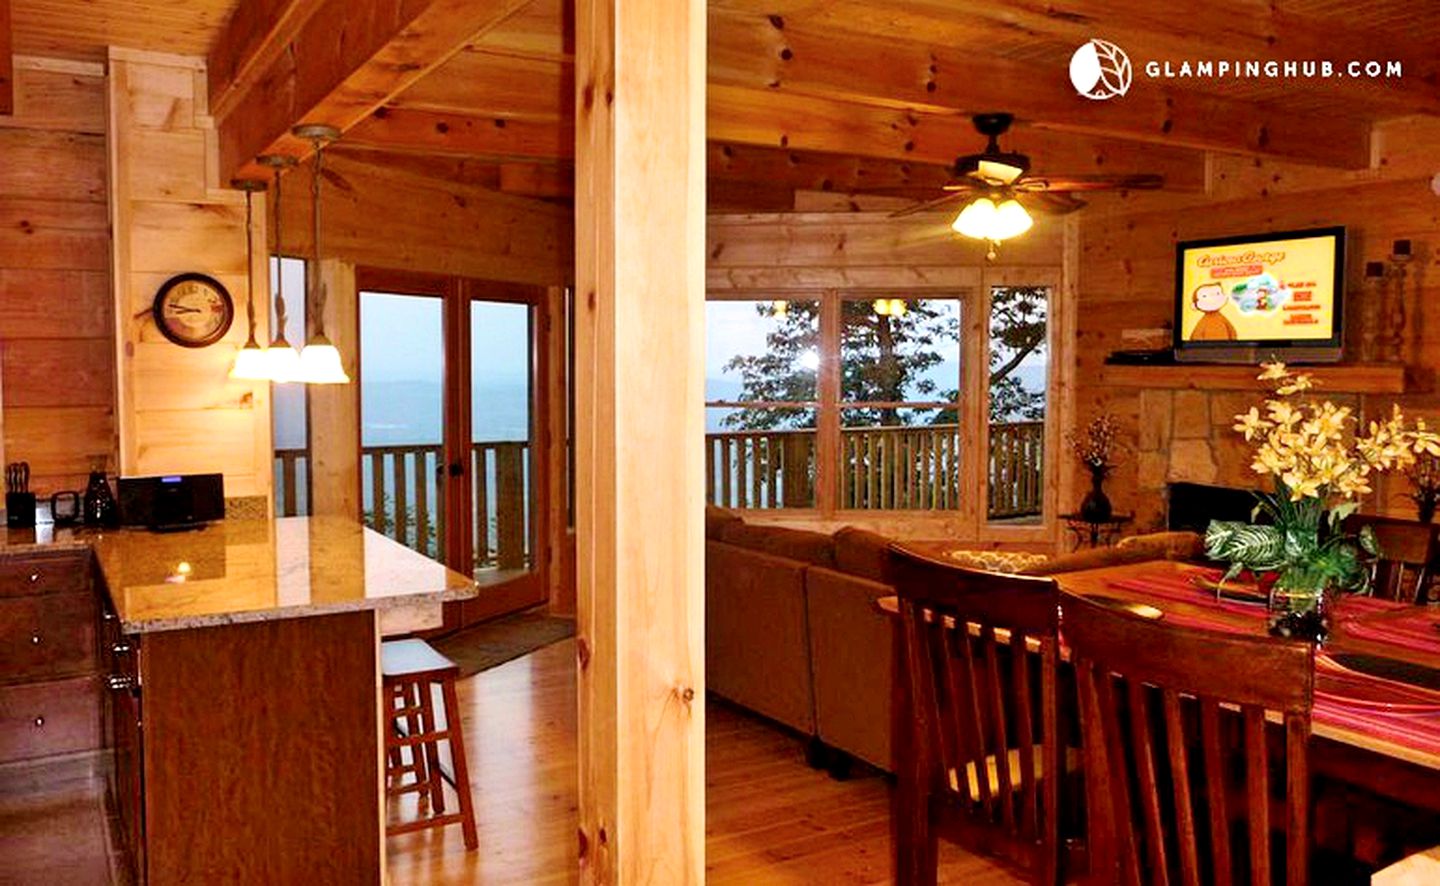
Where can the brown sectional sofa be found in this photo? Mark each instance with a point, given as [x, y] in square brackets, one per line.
[793, 633]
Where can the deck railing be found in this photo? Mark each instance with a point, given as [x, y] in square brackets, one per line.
[402, 496]
[899, 468]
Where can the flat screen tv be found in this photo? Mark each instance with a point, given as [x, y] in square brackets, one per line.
[1246, 299]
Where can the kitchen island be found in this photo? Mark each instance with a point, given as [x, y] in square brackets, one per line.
[232, 676]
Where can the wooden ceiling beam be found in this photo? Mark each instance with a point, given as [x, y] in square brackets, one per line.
[462, 135]
[1219, 29]
[811, 171]
[340, 75]
[493, 83]
[256, 34]
[783, 120]
[771, 54]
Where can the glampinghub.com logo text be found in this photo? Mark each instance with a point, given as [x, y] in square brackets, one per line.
[1101, 70]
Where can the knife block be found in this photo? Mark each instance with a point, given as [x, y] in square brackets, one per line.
[20, 509]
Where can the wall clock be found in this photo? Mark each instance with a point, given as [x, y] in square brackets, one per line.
[193, 310]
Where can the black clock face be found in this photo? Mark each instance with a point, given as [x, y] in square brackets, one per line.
[193, 310]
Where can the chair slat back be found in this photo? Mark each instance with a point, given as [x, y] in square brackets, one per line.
[1169, 717]
[1407, 549]
[982, 652]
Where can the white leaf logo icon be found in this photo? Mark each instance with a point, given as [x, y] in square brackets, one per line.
[1099, 69]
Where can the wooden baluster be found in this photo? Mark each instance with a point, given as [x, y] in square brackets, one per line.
[291, 495]
[742, 466]
[422, 502]
[481, 473]
[1297, 848]
[1025, 739]
[377, 491]
[995, 690]
[726, 497]
[871, 492]
[710, 472]
[757, 471]
[402, 504]
[1215, 789]
[510, 506]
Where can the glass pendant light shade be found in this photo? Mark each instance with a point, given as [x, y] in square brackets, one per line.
[983, 220]
[282, 362]
[320, 364]
[250, 363]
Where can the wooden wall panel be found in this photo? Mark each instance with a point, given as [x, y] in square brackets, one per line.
[56, 320]
[1126, 291]
[179, 410]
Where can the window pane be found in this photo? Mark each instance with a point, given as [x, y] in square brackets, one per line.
[761, 351]
[1019, 362]
[769, 468]
[402, 383]
[287, 402]
[896, 349]
[501, 459]
[899, 459]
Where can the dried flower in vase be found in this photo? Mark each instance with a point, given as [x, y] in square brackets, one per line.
[1098, 445]
[1424, 475]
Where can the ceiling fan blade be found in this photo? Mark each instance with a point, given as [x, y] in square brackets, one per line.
[1091, 183]
[928, 205]
[1054, 202]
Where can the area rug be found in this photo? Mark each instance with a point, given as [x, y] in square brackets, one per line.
[495, 642]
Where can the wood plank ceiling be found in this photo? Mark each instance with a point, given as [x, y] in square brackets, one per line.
[836, 95]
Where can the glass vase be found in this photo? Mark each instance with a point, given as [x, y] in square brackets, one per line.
[1298, 609]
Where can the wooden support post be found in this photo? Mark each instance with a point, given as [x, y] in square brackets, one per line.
[334, 410]
[640, 240]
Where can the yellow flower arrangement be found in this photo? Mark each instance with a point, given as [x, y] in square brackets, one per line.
[1321, 461]
[1317, 450]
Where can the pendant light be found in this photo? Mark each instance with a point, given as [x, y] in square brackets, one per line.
[282, 361]
[993, 218]
[320, 360]
[250, 360]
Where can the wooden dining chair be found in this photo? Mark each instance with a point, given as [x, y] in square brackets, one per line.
[1407, 550]
[978, 742]
[1153, 697]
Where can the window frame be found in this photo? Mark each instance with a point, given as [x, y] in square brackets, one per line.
[970, 520]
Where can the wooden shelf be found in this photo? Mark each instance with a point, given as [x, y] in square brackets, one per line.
[1339, 378]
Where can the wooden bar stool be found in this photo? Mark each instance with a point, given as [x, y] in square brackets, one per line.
[410, 670]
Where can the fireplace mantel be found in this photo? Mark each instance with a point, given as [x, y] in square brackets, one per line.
[1342, 378]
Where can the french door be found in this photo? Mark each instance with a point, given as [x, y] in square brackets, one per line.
[452, 383]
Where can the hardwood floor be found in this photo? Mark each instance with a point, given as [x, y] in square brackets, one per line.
[770, 818]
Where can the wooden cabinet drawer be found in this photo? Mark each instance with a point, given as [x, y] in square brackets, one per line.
[60, 573]
[46, 636]
[44, 719]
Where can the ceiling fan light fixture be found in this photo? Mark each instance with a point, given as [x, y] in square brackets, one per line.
[998, 170]
[982, 219]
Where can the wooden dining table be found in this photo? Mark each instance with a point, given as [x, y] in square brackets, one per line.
[1376, 733]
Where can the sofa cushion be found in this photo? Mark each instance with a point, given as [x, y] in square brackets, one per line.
[862, 553]
[794, 544]
[1089, 558]
[1014, 562]
[1166, 545]
[717, 518]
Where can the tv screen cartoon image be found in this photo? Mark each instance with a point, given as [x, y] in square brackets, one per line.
[1258, 290]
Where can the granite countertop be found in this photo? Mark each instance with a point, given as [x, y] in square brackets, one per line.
[250, 570]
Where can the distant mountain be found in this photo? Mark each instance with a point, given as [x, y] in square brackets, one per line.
[394, 413]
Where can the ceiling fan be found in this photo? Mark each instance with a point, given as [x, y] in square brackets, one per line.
[998, 187]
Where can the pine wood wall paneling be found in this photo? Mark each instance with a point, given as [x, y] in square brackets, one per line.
[180, 411]
[381, 217]
[56, 320]
[1126, 282]
[333, 411]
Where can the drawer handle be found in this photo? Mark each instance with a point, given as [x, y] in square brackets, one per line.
[120, 682]
[120, 649]
[34, 639]
[107, 615]
[39, 722]
[34, 577]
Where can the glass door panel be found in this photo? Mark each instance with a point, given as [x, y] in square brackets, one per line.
[502, 457]
[402, 418]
